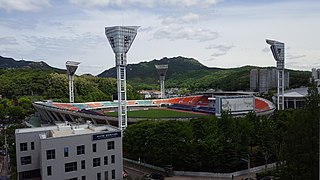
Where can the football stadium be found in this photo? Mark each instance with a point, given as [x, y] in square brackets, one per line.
[205, 104]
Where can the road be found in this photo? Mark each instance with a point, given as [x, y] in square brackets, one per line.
[4, 172]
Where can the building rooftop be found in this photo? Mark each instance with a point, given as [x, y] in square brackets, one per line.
[67, 129]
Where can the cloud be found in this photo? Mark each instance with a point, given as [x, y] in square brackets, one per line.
[266, 49]
[145, 29]
[220, 49]
[76, 43]
[291, 56]
[185, 19]
[144, 3]
[187, 33]
[23, 5]
[8, 40]
[16, 25]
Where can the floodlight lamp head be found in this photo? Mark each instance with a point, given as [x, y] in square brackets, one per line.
[121, 37]
[277, 49]
[162, 69]
[72, 66]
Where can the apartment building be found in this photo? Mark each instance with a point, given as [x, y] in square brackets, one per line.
[69, 152]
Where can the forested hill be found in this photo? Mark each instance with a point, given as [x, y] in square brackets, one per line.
[177, 65]
[190, 73]
[10, 63]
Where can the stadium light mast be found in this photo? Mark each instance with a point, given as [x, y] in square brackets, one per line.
[277, 49]
[121, 39]
[72, 66]
[162, 70]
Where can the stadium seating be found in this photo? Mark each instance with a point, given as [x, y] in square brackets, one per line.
[181, 107]
[197, 103]
[203, 109]
[260, 105]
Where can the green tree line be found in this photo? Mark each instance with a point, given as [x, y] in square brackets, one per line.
[47, 84]
[289, 137]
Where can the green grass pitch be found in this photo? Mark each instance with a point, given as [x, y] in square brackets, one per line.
[155, 113]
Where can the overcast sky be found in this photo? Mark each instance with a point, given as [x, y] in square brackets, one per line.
[218, 33]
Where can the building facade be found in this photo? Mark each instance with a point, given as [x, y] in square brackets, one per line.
[316, 76]
[263, 80]
[69, 152]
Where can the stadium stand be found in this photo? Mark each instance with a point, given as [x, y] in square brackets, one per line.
[70, 111]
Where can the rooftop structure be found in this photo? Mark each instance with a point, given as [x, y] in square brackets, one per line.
[295, 98]
[121, 39]
[162, 70]
[68, 151]
[72, 66]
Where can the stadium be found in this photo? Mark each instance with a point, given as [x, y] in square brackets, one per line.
[120, 39]
[206, 104]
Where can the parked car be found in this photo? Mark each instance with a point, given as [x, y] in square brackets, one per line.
[124, 174]
[153, 176]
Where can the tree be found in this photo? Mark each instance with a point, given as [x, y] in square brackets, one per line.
[301, 147]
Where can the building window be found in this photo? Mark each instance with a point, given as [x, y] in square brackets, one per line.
[83, 177]
[94, 147]
[98, 176]
[106, 175]
[110, 145]
[83, 164]
[80, 149]
[113, 159]
[66, 152]
[72, 166]
[49, 170]
[23, 146]
[113, 174]
[25, 160]
[51, 154]
[32, 145]
[96, 162]
[105, 160]
[73, 178]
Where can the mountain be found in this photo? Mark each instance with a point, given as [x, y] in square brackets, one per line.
[177, 65]
[190, 73]
[14, 64]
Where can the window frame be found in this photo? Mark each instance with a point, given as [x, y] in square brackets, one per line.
[51, 154]
[24, 146]
[96, 162]
[71, 166]
[83, 164]
[105, 160]
[113, 159]
[49, 170]
[81, 149]
[66, 152]
[25, 160]
[110, 145]
[32, 145]
[94, 147]
[113, 174]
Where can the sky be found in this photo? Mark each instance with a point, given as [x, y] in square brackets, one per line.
[218, 33]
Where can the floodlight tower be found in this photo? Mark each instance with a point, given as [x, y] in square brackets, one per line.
[120, 39]
[277, 49]
[162, 70]
[72, 66]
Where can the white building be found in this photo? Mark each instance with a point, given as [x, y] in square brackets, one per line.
[69, 152]
[316, 75]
